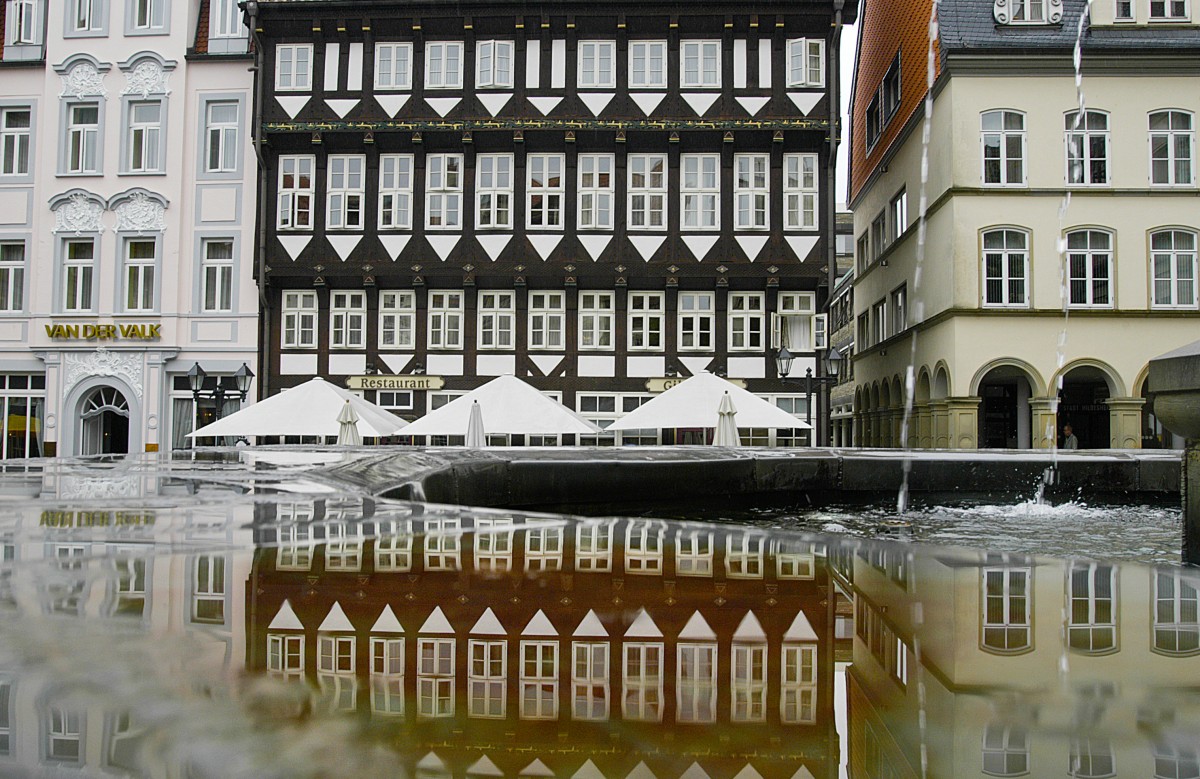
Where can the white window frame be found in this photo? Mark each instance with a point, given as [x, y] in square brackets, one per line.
[443, 542]
[1176, 598]
[490, 72]
[597, 320]
[696, 314]
[16, 142]
[345, 191]
[1171, 11]
[1015, 632]
[1123, 11]
[397, 319]
[497, 317]
[748, 671]
[393, 66]
[647, 192]
[642, 692]
[296, 190]
[444, 65]
[1005, 750]
[696, 681]
[593, 545]
[1171, 137]
[347, 319]
[139, 290]
[798, 684]
[1002, 135]
[387, 675]
[216, 276]
[593, 72]
[443, 191]
[1029, 11]
[806, 62]
[445, 319]
[539, 679]
[221, 137]
[694, 552]
[153, 11]
[299, 317]
[395, 191]
[700, 192]
[1081, 153]
[706, 56]
[589, 680]
[83, 139]
[646, 321]
[800, 192]
[644, 546]
[12, 275]
[745, 555]
[746, 314]
[545, 201]
[752, 191]
[487, 678]
[648, 53]
[86, 16]
[293, 67]
[435, 678]
[801, 307]
[79, 277]
[1006, 278]
[1177, 258]
[1092, 612]
[25, 27]
[595, 197]
[1091, 255]
[335, 653]
[494, 191]
[227, 24]
[285, 655]
[547, 320]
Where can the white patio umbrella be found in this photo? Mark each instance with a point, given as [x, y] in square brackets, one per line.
[694, 403]
[726, 433]
[475, 436]
[348, 434]
[312, 409]
[508, 406]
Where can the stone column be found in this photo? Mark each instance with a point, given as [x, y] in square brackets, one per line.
[1125, 422]
[1043, 432]
[964, 422]
[939, 423]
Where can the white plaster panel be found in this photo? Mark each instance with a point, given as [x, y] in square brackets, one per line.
[218, 331]
[764, 63]
[395, 362]
[805, 101]
[444, 364]
[342, 106]
[596, 101]
[802, 245]
[218, 204]
[700, 101]
[604, 365]
[494, 244]
[648, 101]
[494, 101]
[753, 104]
[14, 207]
[746, 367]
[394, 244]
[739, 63]
[546, 363]
[343, 244]
[332, 54]
[544, 244]
[558, 64]
[443, 244]
[12, 331]
[495, 364]
[391, 103]
[533, 65]
[700, 245]
[645, 366]
[545, 104]
[298, 364]
[347, 364]
[292, 103]
[696, 364]
[594, 245]
[443, 105]
[354, 65]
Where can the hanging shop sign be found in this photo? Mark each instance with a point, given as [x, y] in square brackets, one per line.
[412, 382]
[105, 332]
[664, 384]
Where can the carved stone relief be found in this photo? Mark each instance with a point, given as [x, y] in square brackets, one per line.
[141, 214]
[79, 214]
[123, 365]
[83, 80]
[147, 78]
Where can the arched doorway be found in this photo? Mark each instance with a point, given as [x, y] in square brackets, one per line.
[1004, 416]
[1081, 405]
[104, 422]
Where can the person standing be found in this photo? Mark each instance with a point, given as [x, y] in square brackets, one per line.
[1069, 439]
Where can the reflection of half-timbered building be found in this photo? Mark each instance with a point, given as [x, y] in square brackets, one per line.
[587, 197]
[618, 642]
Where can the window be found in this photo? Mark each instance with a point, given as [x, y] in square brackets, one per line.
[1089, 268]
[898, 308]
[1005, 268]
[862, 250]
[299, 319]
[345, 188]
[874, 122]
[443, 65]
[596, 314]
[12, 276]
[806, 62]
[697, 686]
[800, 191]
[445, 320]
[387, 675]
[648, 64]
[595, 191]
[443, 539]
[293, 68]
[216, 270]
[700, 191]
[397, 319]
[395, 191]
[24, 28]
[1003, 147]
[1174, 760]
[435, 677]
[642, 681]
[78, 267]
[83, 138]
[487, 680]
[1006, 609]
[497, 310]
[295, 192]
[1087, 148]
[1091, 758]
[750, 190]
[15, 138]
[879, 322]
[64, 735]
[645, 321]
[794, 323]
[547, 316]
[393, 66]
[889, 91]
[879, 235]
[1169, 10]
[898, 213]
[647, 191]
[348, 320]
[1171, 144]
[745, 321]
[285, 656]
[139, 275]
[1123, 11]
[1173, 263]
[744, 555]
[539, 679]
[643, 542]
[208, 595]
[589, 680]
[701, 64]
[749, 695]
[493, 191]
[225, 21]
[443, 191]
[221, 137]
[1005, 750]
[596, 60]
[85, 16]
[696, 313]
[693, 553]
[1092, 626]
[545, 190]
[493, 64]
[147, 15]
[1176, 612]
[493, 545]
[798, 691]
[1030, 11]
[335, 654]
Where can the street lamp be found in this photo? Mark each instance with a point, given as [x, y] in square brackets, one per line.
[197, 376]
[833, 365]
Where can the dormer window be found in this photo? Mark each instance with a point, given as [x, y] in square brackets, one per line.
[1028, 11]
[1032, 11]
[1169, 10]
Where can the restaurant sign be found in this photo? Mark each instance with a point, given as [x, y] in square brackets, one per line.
[105, 332]
[384, 382]
[664, 384]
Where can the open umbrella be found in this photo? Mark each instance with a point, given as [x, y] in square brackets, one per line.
[348, 434]
[510, 406]
[475, 436]
[726, 433]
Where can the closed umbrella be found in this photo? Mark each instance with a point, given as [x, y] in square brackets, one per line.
[475, 437]
[726, 433]
[348, 434]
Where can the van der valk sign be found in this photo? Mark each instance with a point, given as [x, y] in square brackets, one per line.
[105, 332]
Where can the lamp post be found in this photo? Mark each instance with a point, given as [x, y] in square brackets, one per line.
[197, 376]
[833, 365]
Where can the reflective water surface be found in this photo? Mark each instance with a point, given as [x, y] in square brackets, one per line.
[219, 620]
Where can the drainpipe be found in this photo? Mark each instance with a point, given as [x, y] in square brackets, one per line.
[264, 304]
[835, 114]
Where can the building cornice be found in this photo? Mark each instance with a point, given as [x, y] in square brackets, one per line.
[573, 123]
[1118, 61]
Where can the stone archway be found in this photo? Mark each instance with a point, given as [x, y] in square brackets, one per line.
[103, 422]
[1083, 404]
[1005, 417]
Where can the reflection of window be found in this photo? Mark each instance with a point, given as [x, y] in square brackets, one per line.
[208, 595]
[1092, 626]
[798, 693]
[642, 677]
[1005, 751]
[697, 687]
[744, 555]
[487, 678]
[1175, 614]
[393, 547]
[693, 553]
[749, 698]
[442, 544]
[589, 680]
[1091, 758]
[387, 675]
[295, 548]
[643, 546]
[1176, 761]
[539, 680]
[435, 677]
[593, 547]
[493, 545]
[130, 586]
[335, 654]
[543, 547]
[794, 560]
[6, 717]
[285, 656]
[1006, 609]
[64, 736]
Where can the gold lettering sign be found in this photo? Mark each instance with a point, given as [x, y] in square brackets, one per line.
[664, 384]
[73, 519]
[395, 382]
[105, 332]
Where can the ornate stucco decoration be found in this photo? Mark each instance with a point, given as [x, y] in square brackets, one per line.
[147, 78]
[139, 211]
[100, 487]
[1002, 11]
[102, 362]
[78, 212]
[83, 80]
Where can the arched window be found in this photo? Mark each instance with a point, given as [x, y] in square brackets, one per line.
[1007, 608]
[1173, 267]
[1172, 146]
[1087, 147]
[1006, 268]
[1005, 750]
[1090, 268]
[1003, 147]
[1092, 625]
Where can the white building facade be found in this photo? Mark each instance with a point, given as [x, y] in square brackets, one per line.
[127, 207]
